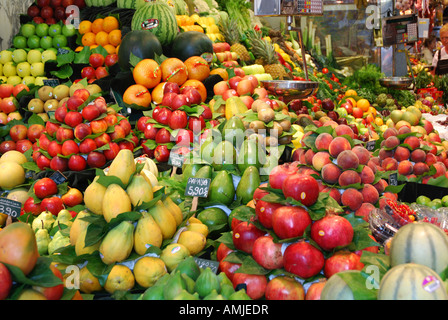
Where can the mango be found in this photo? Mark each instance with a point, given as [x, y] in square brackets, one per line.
[222, 189]
[115, 202]
[139, 190]
[123, 166]
[234, 106]
[164, 219]
[93, 197]
[249, 182]
[147, 233]
[250, 154]
[234, 131]
[224, 156]
[117, 245]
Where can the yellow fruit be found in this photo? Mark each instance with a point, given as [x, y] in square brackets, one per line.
[123, 166]
[147, 233]
[192, 220]
[88, 283]
[31, 294]
[164, 220]
[174, 209]
[78, 226]
[193, 241]
[147, 270]
[139, 190]
[115, 202]
[118, 243]
[93, 197]
[198, 227]
[12, 174]
[173, 254]
[120, 278]
[13, 156]
[80, 245]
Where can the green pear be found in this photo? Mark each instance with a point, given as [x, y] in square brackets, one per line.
[42, 239]
[44, 220]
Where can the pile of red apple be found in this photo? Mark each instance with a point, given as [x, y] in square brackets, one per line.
[47, 198]
[98, 66]
[53, 11]
[172, 124]
[228, 58]
[84, 134]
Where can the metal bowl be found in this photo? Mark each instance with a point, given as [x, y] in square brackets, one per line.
[288, 90]
[399, 83]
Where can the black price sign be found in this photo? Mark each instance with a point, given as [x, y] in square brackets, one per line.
[204, 264]
[10, 207]
[176, 160]
[370, 145]
[58, 177]
[393, 179]
[51, 82]
[197, 187]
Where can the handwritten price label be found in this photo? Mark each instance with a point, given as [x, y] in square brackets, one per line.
[10, 207]
[197, 187]
[204, 264]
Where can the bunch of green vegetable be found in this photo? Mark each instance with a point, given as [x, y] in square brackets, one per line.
[238, 10]
[366, 77]
[441, 83]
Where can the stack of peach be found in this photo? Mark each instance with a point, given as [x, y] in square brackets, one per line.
[103, 32]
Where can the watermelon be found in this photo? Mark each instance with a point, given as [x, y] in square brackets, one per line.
[141, 43]
[411, 281]
[130, 4]
[422, 243]
[158, 18]
[179, 7]
[99, 3]
[191, 43]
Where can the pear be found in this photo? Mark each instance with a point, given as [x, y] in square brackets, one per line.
[93, 88]
[61, 91]
[36, 105]
[45, 93]
[64, 217]
[51, 105]
[75, 87]
[44, 220]
[59, 240]
[42, 239]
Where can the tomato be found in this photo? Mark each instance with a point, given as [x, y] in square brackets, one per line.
[324, 70]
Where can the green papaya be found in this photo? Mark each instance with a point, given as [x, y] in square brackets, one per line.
[185, 295]
[249, 182]
[233, 131]
[189, 170]
[222, 189]
[189, 267]
[250, 154]
[206, 283]
[118, 243]
[174, 286]
[224, 156]
[42, 240]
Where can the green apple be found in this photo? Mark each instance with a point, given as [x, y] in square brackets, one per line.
[46, 42]
[33, 42]
[34, 55]
[27, 30]
[59, 41]
[14, 80]
[42, 29]
[40, 81]
[54, 30]
[38, 69]
[28, 80]
[9, 69]
[48, 55]
[19, 55]
[5, 56]
[68, 30]
[23, 69]
[19, 42]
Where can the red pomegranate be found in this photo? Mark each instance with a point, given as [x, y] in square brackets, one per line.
[332, 231]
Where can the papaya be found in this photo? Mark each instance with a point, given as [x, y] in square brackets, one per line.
[206, 283]
[93, 197]
[234, 131]
[115, 202]
[150, 177]
[174, 209]
[150, 165]
[139, 190]
[147, 233]
[234, 106]
[78, 225]
[164, 220]
[194, 241]
[123, 166]
[173, 254]
[80, 245]
[18, 246]
[224, 156]
[222, 189]
[249, 182]
[250, 154]
[118, 243]
[198, 227]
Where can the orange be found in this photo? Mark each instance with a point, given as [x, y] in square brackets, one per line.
[372, 110]
[222, 72]
[102, 38]
[379, 121]
[97, 25]
[350, 92]
[109, 48]
[110, 23]
[93, 46]
[114, 37]
[363, 104]
[157, 93]
[119, 278]
[137, 94]
[148, 73]
[85, 26]
[88, 39]
[198, 85]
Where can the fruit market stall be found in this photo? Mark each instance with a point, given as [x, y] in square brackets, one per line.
[143, 156]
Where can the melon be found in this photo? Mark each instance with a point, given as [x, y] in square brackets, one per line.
[337, 289]
[99, 3]
[411, 281]
[158, 18]
[422, 243]
[13, 156]
[11, 175]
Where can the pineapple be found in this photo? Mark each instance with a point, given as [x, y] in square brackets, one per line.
[229, 29]
[265, 54]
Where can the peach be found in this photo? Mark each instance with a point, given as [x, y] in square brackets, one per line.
[391, 142]
[389, 164]
[381, 185]
[347, 159]
[402, 153]
[309, 154]
[420, 168]
[337, 145]
[352, 198]
[367, 175]
[404, 130]
[376, 160]
[344, 129]
[334, 193]
[330, 173]
[323, 140]
[418, 155]
[412, 141]
[349, 177]
[370, 194]
[320, 159]
[405, 167]
[364, 210]
[371, 164]
[430, 159]
[390, 132]
[297, 154]
[383, 154]
[440, 169]
[331, 123]
[362, 153]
